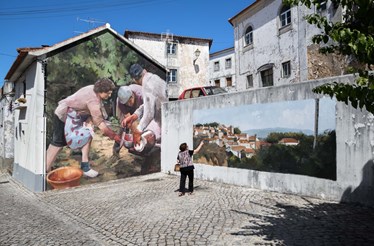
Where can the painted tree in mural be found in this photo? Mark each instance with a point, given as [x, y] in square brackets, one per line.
[83, 64]
[353, 38]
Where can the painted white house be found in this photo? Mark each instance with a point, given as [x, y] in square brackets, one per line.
[186, 58]
[29, 97]
[222, 69]
[273, 45]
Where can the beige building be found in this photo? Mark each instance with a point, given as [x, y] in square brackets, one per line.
[186, 58]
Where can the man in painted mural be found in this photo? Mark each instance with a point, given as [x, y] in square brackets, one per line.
[154, 94]
[71, 123]
[129, 99]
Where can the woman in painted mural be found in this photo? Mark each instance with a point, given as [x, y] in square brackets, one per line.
[184, 158]
[72, 122]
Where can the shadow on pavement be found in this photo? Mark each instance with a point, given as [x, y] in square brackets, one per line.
[318, 224]
[322, 224]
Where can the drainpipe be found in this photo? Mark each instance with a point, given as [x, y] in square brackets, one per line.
[44, 70]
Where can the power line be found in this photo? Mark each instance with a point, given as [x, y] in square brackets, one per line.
[4, 54]
[66, 9]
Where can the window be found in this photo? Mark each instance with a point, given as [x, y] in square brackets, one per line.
[172, 76]
[286, 69]
[216, 66]
[285, 16]
[267, 77]
[228, 81]
[228, 63]
[248, 37]
[249, 81]
[217, 83]
[197, 93]
[187, 94]
[171, 48]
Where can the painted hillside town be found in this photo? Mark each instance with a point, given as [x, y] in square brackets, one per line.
[272, 149]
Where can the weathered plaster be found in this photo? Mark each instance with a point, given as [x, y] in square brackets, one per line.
[223, 72]
[275, 45]
[6, 129]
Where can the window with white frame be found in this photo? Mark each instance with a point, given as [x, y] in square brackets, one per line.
[228, 63]
[285, 16]
[286, 69]
[172, 76]
[250, 81]
[217, 83]
[248, 37]
[216, 66]
[171, 48]
[267, 77]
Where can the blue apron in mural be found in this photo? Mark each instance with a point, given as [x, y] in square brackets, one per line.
[77, 132]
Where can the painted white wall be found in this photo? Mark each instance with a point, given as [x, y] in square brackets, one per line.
[223, 72]
[29, 141]
[272, 44]
[6, 124]
[355, 147]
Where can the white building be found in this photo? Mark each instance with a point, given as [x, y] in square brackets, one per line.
[186, 58]
[273, 45]
[222, 69]
[6, 126]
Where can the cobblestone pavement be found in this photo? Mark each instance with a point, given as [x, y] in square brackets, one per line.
[146, 210]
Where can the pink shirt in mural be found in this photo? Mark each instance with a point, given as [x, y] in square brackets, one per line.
[85, 102]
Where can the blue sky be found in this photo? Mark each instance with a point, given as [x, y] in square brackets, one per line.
[26, 23]
[288, 114]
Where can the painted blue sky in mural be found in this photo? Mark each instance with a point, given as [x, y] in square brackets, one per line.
[288, 114]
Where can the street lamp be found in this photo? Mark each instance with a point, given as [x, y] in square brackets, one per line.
[197, 54]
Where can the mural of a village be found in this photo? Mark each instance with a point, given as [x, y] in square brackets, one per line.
[295, 137]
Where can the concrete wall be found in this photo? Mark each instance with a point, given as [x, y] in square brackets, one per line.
[355, 145]
[29, 130]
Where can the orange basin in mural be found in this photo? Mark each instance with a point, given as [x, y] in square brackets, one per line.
[64, 177]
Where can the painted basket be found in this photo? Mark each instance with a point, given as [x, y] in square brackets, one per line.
[64, 177]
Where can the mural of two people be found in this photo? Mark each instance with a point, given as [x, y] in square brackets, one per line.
[97, 123]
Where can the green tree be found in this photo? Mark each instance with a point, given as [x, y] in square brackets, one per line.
[352, 38]
[237, 130]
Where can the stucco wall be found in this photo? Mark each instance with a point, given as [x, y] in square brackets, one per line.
[6, 133]
[223, 72]
[355, 145]
[29, 130]
[273, 44]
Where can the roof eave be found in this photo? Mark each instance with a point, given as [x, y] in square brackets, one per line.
[231, 20]
[27, 55]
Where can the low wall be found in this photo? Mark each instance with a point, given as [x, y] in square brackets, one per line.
[354, 145]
